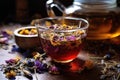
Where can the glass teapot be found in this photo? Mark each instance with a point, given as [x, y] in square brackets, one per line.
[103, 16]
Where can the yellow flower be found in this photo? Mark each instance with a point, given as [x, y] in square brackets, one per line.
[53, 42]
[33, 31]
[10, 74]
[17, 58]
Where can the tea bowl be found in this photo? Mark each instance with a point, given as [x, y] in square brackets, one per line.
[26, 39]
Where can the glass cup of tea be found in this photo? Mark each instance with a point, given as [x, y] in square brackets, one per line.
[61, 37]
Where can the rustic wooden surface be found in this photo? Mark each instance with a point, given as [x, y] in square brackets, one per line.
[92, 74]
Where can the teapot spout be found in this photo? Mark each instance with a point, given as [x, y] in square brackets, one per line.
[55, 8]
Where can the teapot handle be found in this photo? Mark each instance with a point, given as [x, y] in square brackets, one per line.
[54, 8]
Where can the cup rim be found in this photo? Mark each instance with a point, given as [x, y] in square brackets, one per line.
[55, 30]
[28, 27]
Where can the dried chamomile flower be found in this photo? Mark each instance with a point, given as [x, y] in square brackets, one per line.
[36, 55]
[31, 31]
[47, 23]
[10, 73]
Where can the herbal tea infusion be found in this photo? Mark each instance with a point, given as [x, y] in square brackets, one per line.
[62, 41]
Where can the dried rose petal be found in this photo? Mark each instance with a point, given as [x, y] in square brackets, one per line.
[11, 61]
[3, 40]
[52, 27]
[53, 69]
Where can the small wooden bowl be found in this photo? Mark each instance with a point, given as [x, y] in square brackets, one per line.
[26, 41]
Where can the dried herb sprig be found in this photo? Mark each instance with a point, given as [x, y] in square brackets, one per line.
[28, 66]
[110, 68]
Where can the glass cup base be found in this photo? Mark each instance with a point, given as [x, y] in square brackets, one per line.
[75, 65]
[67, 61]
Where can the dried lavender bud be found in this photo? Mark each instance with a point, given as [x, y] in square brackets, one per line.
[44, 67]
[40, 67]
[38, 63]
[30, 62]
[14, 48]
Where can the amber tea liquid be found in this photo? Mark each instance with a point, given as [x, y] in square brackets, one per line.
[65, 52]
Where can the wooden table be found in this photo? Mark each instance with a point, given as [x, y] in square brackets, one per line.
[92, 74]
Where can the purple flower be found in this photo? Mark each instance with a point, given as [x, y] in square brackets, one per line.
[5, 34]
[53, 69]
[40, 67]
[38, 63]
[70, 38]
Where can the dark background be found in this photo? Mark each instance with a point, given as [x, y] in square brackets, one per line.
[25, 10]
